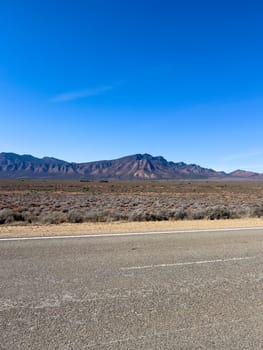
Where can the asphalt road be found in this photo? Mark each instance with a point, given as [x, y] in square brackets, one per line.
[201, 290]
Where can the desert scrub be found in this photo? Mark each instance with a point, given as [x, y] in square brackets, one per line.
[256, 211]
[8, 216]
[104, 216]
[53, 218]
[69, 201]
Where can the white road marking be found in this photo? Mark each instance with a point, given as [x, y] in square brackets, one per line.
[188, 263]
[104, 235]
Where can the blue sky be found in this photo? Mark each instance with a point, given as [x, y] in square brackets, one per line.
[84, 80]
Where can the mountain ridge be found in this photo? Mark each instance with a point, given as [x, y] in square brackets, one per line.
[136, 166]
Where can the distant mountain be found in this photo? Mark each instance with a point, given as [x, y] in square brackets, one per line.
[245, 174]
[144, 166]
[138, 166]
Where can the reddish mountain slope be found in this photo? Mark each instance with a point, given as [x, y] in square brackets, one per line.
[138, 166]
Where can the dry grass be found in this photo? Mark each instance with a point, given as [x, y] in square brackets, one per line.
[118, 227]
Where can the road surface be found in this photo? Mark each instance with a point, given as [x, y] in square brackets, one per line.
[192, 290]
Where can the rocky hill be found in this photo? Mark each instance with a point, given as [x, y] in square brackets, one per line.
[138, 166]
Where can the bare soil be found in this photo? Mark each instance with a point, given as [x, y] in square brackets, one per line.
[7, 231]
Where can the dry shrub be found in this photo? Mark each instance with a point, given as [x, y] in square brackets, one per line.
[76, 201]
[8, 216]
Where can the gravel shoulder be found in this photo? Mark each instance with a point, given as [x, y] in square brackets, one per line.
[118, 227]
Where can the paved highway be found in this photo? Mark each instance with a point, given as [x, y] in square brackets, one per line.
[192, 290]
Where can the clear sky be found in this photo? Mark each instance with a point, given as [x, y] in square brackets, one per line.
[85, 80]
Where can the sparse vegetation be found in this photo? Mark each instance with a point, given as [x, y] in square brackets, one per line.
[54, 202]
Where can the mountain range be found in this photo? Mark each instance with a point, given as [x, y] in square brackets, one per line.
[138, 166]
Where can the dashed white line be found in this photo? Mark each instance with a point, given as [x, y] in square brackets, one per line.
[188, 263]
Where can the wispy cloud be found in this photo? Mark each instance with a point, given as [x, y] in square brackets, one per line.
[75, 95]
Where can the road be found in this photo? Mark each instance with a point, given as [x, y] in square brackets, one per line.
[192, 290]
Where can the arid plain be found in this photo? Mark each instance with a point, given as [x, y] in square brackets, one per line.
[57, 206]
